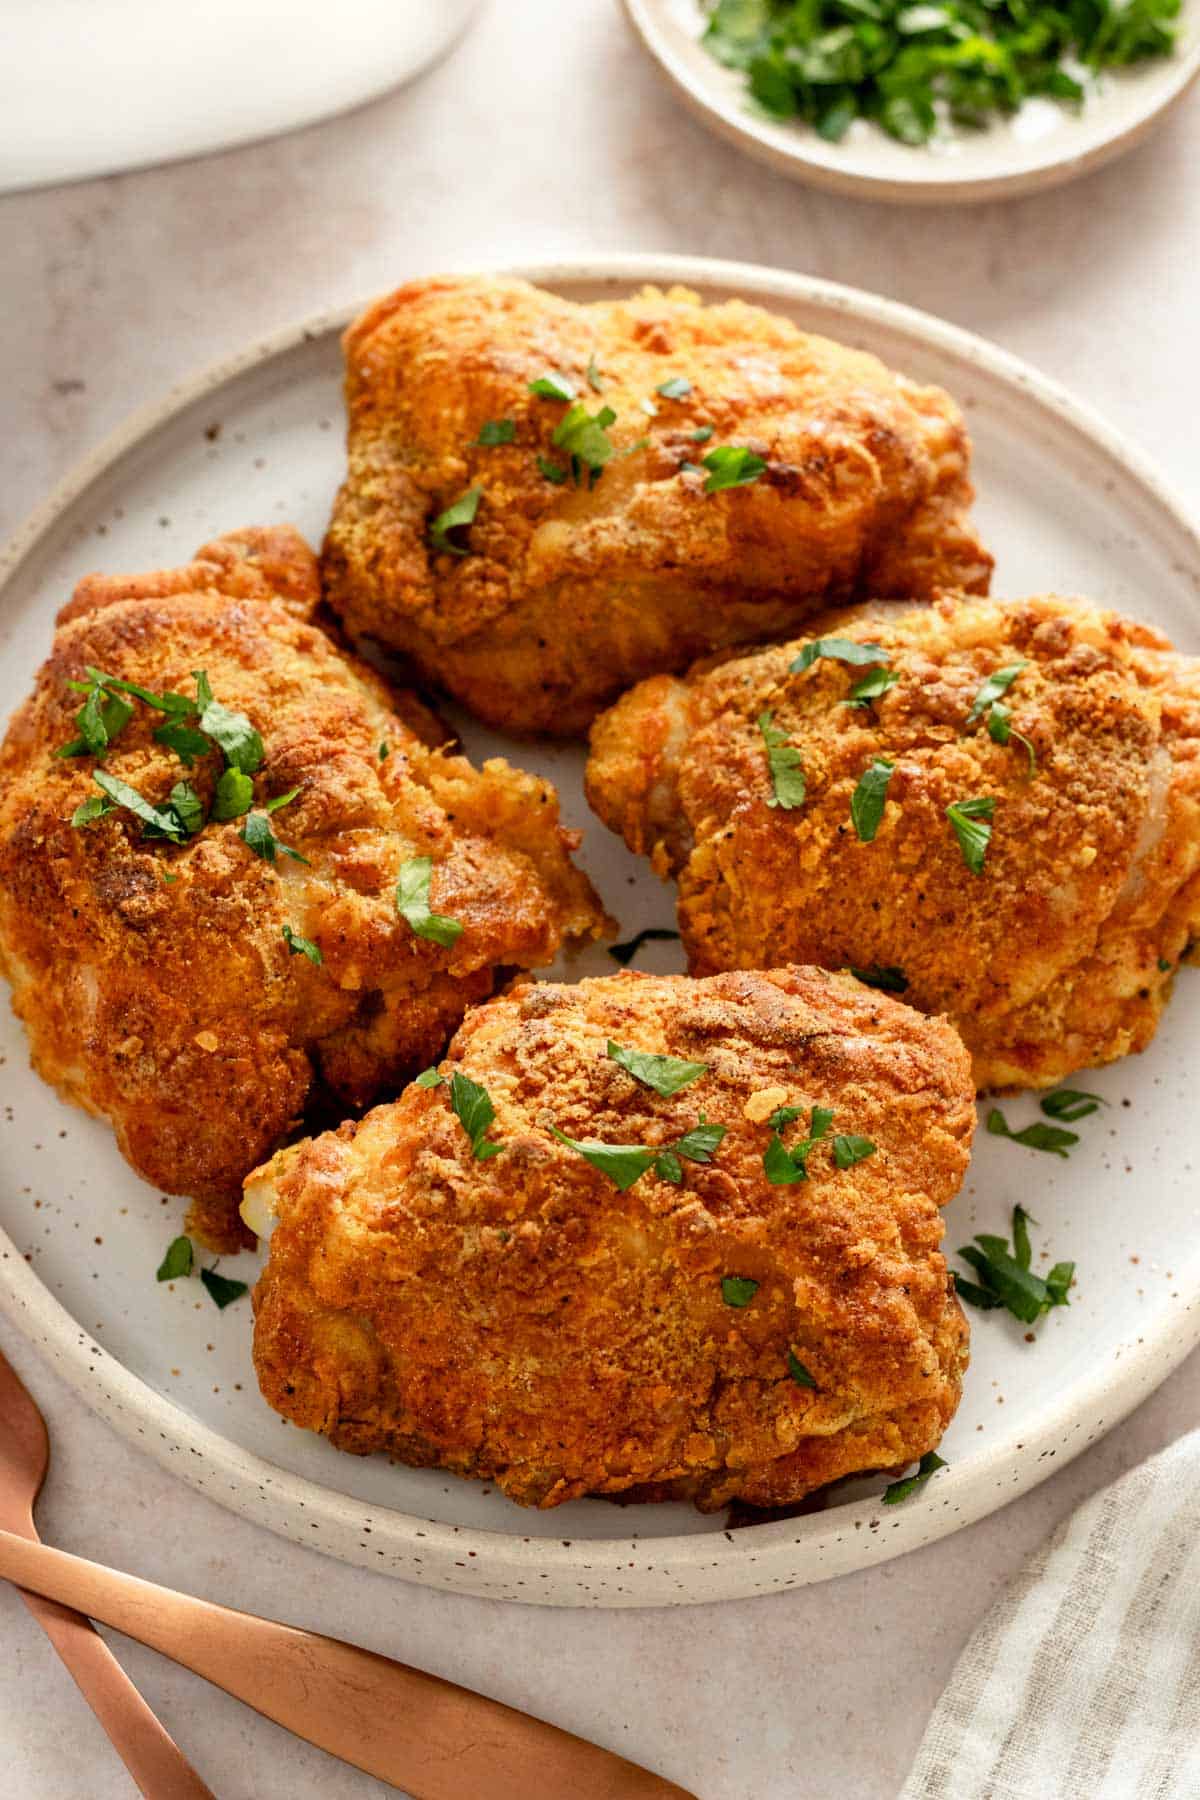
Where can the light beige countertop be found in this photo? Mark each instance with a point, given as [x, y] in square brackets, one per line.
[545, 133]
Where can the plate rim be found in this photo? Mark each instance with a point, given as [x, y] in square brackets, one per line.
[704, 1566]
[927, 188]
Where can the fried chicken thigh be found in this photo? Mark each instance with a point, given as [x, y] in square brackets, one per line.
[154, 976]
[472, 1292]
[599, 551]
[1080, 758]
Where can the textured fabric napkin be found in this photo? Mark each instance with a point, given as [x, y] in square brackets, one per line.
[1083, 1681]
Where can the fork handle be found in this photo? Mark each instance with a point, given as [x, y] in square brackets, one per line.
[439, 1741]
[153, 1759]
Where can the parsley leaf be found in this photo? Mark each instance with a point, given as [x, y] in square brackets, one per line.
[730, 466]
[1001, 730]
[889, 977]
[1037, 1136]
[622, 1163]
[177, 1262]
[585, 438]
[970, 820]
[738, 1290]
[994, 688]
[412, 903]
[869, 797]
[302, 946]
[653, 934]
[702, 434]
[159, 821]
[871, 687]
[698, 1144]
[234, 795]
[240, 743]
[849, 1149]
[554, 386]
[786, 766]
[99, 719]
[221, 1288]
[677, 388]
[258, 836]
[473, 1107]
[97, 807]
[428, 1078]
[665, 1074]
[897, 1491]
[496, 431]
[1071, 1104]
[784, 1167]
[552, 471]
[843, 650]
[460, 514]
[798, 1372]
[1007, 1278]
[183, 739]
[593, 375]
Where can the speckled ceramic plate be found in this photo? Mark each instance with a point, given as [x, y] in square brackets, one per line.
[1042, 144]
[1066, 506]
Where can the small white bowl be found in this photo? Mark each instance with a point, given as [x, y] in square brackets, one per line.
[1040, 146]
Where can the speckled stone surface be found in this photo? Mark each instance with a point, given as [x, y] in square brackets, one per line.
[544, 134]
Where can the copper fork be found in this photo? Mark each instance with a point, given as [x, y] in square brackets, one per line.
[157, 1765]
[438, 1741]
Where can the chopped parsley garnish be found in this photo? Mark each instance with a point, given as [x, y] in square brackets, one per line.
[782, 1166]
[1007, 1278]
[88, 811]
[843, 650]
[234, 795]
[971, 820]
[99, 719]
[183, 739]
[626, 1163]
[738, 1290]
[221, 1288]
[1001, 730]
[798, 1372]
[460, 514]
[473, 1108]
[593, 375]
[849, 1149]
[897, 1491]
[554, 386]
[871, 687]
[177, 1262]
[302, 946]
[994, 688]
[257, 835]
[702, 434]
[385, 750]
[584, 437]
[1037, 1136]
[412, 903]
[665, 1074]
[552, 471]
[653, 934]
[240, 742]
[730, 466]
[496, 431]
[159, 821]
[1164, 967]
[428, 1078]
[868, 799]
[918, 70]
[1071, 1104]
[887, 976]
[785, 764]
[678, 388]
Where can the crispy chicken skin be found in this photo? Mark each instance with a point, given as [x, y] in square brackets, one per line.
[1061, 953]
[570, 593]
[154, 980]
[522, 1320]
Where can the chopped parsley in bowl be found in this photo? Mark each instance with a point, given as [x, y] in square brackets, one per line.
[920, 67]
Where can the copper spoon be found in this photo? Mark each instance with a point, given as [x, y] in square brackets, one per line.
[159, 1768]
[439, 1741]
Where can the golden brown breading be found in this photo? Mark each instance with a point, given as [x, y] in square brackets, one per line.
[1061, 953]
[570, 593]
[154, 979]
[522, 1320]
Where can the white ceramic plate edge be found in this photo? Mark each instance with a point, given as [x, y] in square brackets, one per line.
[929, 184]
[617, 1571]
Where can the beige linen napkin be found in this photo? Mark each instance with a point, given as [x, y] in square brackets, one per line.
[1083, 1681]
